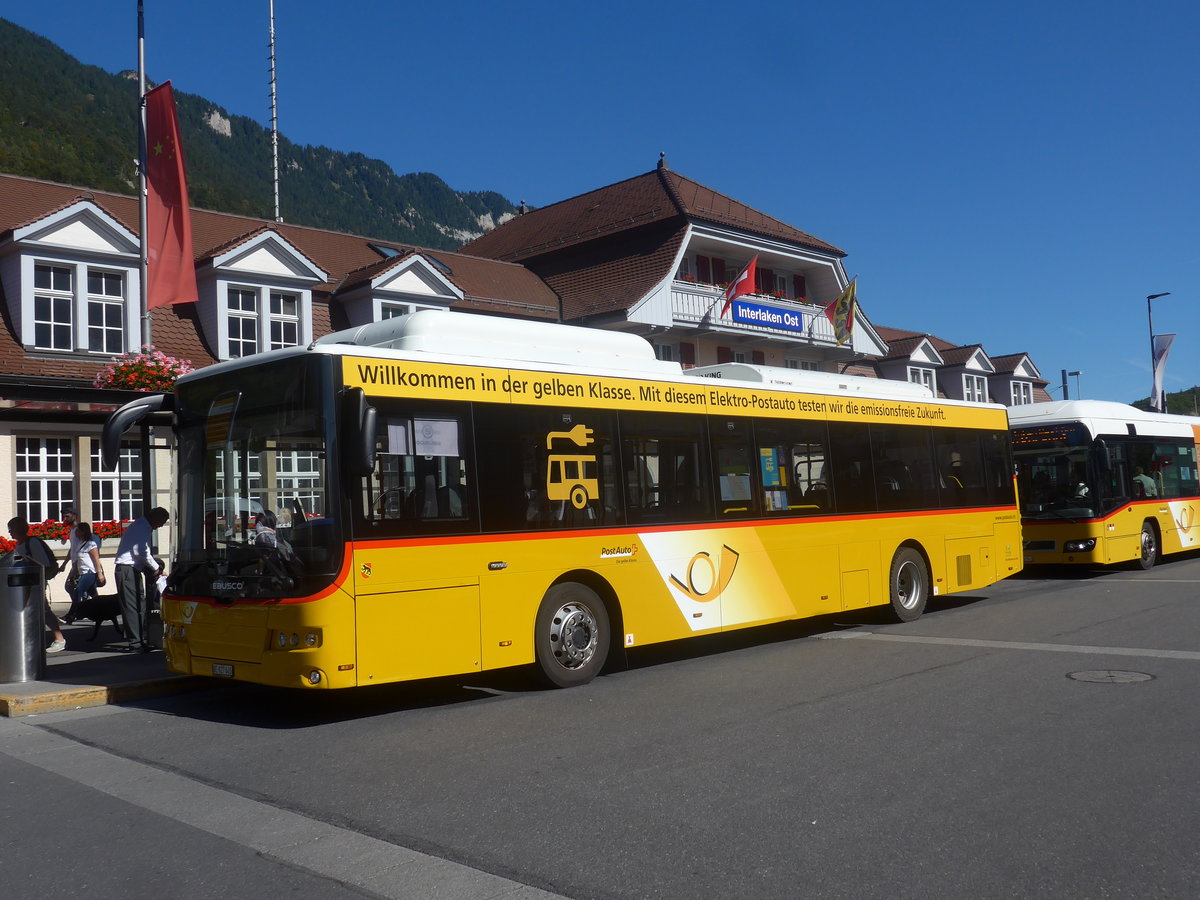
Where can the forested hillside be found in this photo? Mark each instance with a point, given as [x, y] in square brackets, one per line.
[61, 120]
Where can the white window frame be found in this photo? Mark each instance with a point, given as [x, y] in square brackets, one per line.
[974, 388]
[239, 317]
[117, 493]
[803, 365]
[389, 310]
[1022, 393]
[665, 352]
[921, 375]
[59, 299]
[45, 471]
[284, 326]
[105, 303]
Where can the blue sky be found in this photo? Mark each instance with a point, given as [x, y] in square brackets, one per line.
[1015, 174]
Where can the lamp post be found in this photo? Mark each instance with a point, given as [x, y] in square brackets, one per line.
[1150, 318]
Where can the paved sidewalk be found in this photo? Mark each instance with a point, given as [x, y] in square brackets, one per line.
[95, 673]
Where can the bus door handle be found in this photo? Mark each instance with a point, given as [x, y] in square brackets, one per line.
[497, 566]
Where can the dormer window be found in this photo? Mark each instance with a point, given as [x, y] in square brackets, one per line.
[277, 321]
[1022, 393]
[975, 388]
[64, 322]
[921, 375]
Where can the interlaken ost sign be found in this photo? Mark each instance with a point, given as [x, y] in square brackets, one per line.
[767, 316]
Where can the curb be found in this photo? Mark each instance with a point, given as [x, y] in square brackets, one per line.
[45, 697]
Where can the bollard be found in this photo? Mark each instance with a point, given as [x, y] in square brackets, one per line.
[22, 620]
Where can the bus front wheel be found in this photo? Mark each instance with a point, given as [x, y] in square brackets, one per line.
[1149, 546]
[572, 635]
[908, 584]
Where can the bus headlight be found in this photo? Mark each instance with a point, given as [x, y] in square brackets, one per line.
[296, 640]
[1083, 546]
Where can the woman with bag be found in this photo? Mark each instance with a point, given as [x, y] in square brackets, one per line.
[86, 568]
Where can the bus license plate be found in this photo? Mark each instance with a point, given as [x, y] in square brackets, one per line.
[225, 671]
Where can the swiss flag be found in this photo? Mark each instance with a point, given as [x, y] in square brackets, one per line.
[743, 284]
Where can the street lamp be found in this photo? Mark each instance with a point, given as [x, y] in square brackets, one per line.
[1150, 318]
[1078, 394]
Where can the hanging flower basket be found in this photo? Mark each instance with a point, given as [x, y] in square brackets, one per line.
[146, 370]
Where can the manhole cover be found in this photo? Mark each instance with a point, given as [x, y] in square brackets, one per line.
[1110, 676]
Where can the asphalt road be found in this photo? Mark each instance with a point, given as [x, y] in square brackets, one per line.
[1037, 739]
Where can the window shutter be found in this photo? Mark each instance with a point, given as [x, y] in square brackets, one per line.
[800, 288]
[765, 279]
[703, 269]
[758, 358]
[724, 355]
[718, 267]
[687, 354]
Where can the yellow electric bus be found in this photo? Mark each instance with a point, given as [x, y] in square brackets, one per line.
[444, 493]
[1104, 483]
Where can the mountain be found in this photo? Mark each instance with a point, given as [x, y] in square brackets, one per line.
[63, 121]
[1183, 403]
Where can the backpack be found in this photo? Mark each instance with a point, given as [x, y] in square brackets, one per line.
[51, 569]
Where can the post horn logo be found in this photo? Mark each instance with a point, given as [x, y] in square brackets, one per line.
[1186, 518]
[706, 580]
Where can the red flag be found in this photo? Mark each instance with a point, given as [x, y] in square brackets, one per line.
[172, 268]
[743, 284]
[841, 313]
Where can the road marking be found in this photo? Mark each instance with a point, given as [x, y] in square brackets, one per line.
[346, 856]
[1014, 645]
[1153, 580]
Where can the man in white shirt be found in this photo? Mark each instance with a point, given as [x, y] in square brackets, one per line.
[135, 558]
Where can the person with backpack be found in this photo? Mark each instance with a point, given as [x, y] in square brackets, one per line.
[33, 548]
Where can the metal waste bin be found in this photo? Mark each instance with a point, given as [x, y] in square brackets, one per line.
[22, 620]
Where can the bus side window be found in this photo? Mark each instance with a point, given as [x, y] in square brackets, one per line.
[793, 464]
[736, 494]
[665, 468]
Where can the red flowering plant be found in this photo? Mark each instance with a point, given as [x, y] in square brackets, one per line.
[53, 530]
[146, 370]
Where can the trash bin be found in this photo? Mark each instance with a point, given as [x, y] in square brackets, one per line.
[22, 620]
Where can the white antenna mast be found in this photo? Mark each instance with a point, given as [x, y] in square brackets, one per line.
[274, 121]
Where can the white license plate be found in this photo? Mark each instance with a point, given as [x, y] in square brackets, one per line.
[225, 671]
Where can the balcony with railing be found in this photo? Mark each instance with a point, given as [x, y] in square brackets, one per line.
[695, 303]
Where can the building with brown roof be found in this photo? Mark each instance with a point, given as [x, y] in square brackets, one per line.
[69, 288]
[653, 254]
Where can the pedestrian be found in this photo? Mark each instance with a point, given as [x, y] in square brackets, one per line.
[37, 550]
[86, 569]
[70, 519]
[135, 558]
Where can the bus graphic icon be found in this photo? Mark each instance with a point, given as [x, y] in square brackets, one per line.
[572, 476]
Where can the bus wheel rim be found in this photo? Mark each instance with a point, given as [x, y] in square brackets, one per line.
[908, 585]
[573, 635]
[1147, 543]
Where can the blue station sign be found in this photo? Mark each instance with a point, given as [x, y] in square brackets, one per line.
[767, 316]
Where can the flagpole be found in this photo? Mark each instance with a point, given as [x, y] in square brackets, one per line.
[144, 261]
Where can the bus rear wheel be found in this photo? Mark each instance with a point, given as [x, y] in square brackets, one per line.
[1149, 546]
[908, 585]
[571, 635]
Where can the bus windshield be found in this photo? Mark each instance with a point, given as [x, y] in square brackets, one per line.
[257, 515]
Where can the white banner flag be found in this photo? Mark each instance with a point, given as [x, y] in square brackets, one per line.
[1162, 346]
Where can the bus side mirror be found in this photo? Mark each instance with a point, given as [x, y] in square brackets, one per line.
[124, 419]
[358, 421]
